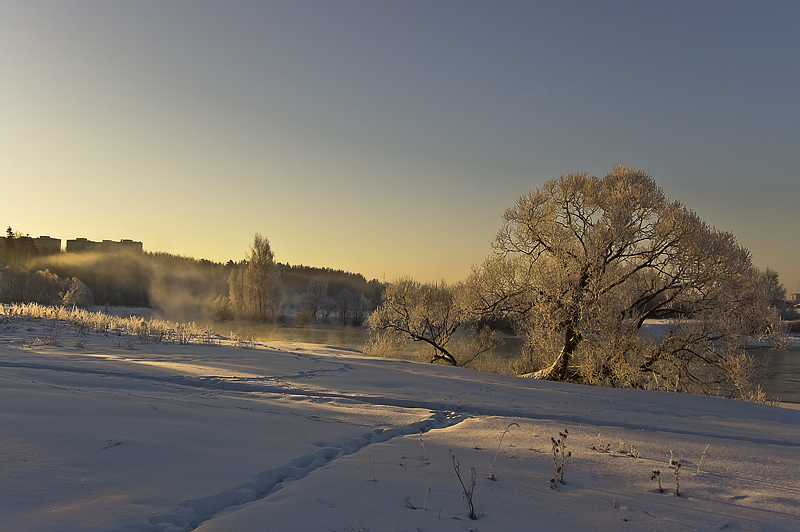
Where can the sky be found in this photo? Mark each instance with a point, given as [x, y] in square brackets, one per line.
[387, 138]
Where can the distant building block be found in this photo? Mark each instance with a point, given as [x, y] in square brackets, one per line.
[47, 246]
[131, 245]
[81, 245]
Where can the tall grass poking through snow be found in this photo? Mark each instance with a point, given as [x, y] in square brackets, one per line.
[146, 331]
[468, 492]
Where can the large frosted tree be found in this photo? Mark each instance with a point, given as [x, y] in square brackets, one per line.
[582, 262]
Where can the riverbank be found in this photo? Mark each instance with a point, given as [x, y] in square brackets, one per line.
[782, 379]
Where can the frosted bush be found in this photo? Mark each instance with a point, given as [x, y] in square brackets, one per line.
[146, 331]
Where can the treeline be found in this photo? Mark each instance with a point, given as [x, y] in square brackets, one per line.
[20, 285]
[180, 288]
[323, 295]
[262, 290]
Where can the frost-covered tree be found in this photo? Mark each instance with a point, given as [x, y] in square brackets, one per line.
[254, 284]
[315, 298]
[582, 262]
[221, 308]
[431, 313]
[19, 285]
[344, 306]
[263, 279]
[360, 307]
[77, 294]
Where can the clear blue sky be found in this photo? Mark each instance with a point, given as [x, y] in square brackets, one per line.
[387, 138]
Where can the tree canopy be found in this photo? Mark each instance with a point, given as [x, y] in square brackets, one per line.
[255, 283]
[581, 263]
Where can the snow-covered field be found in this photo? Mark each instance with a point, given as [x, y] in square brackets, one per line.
[114, 435]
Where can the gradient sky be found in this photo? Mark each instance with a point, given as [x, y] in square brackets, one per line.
[387, 138]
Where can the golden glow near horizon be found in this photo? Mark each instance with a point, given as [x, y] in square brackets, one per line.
[378, 140]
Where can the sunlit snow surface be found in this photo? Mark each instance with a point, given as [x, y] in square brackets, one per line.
[300, 437]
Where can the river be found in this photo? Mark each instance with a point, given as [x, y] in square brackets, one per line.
[782, 380]
[783, 375]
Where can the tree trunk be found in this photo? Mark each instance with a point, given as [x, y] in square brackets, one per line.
[441, 354]
[560, 368]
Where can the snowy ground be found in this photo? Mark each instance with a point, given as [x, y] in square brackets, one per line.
[297, 437]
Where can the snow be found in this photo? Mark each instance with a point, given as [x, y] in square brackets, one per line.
[297, 437]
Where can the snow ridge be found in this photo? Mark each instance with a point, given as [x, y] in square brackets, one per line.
[667, 419]
[191, 513]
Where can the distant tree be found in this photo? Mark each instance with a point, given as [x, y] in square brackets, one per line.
[582, 262]
[44, 287]
[221, 308]
[12, 283]
[429, 313]
[361, 306]
[344, 304]
[778, 295]
[315, 298]
[263, 277]
[77, 294]
[254, 284]
[7, 247]
[328, 308]
[18, 285]
[295, 280]
[774, 287]
[237, 293]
